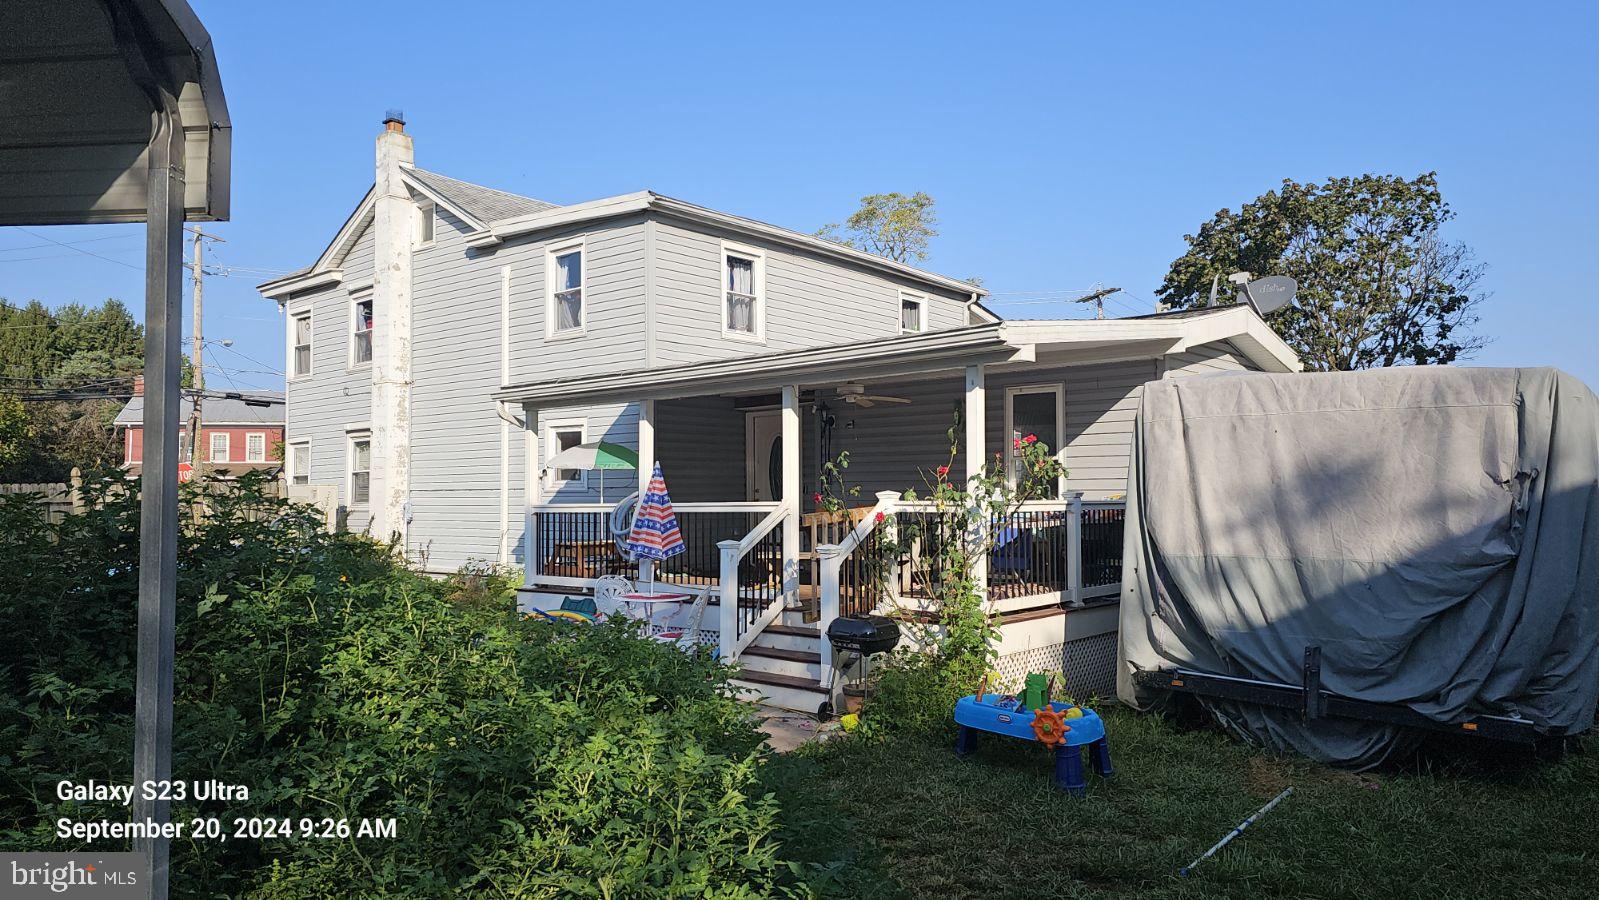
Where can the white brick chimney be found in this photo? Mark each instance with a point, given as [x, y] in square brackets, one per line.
[392, 230]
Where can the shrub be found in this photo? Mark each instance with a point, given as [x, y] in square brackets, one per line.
[516, 757]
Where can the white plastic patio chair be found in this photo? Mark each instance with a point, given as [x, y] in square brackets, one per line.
[687, 637]
[608, 593]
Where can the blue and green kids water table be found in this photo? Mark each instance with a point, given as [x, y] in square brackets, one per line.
[1004, 715]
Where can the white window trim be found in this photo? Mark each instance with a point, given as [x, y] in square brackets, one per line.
[247, 438]
[425, 210]
[759, 258]
[921, 311]
[1057, 441]
[561, 249]
[288, 464]
[350, 437]
[364, 295]
[288, 340]
[211, 447]
[549, 447]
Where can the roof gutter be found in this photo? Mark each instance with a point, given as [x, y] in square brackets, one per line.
[927, 352]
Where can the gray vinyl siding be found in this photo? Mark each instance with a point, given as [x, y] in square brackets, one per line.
[456, 469]
[700, 444]
[893, 447]
[614, 314]
[1221, 356]
[333, 397]
[456, 431]
[615, 423]
[810, 301]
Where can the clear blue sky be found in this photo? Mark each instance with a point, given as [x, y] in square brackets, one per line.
[1064, 147]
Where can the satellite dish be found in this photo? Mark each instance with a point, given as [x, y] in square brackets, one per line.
[1269, 294]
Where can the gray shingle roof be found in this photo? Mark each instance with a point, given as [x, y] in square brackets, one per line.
[219, 410]
[485, 204]
[1183, 313]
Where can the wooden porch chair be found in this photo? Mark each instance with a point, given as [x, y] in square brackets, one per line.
[820, 528]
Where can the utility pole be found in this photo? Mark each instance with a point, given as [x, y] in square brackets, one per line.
[196, 352]
[1098, 299]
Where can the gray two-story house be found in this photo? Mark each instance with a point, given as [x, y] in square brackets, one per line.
[451, 338]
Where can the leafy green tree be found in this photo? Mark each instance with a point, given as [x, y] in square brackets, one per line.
[893, 225]
[16, 432]
[1378, 285]
[74, 348]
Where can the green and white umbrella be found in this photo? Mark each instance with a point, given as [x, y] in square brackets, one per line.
[596, 456]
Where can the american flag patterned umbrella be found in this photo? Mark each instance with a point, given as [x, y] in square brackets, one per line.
[655, 535]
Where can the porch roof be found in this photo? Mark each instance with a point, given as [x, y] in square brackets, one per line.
[996, 344]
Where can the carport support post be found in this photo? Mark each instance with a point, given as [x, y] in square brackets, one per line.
[976, 456]
[791, 494]
[158, 500]
[646, 468]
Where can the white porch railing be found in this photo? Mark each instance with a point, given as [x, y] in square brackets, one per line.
[736, 548]
[1046, 552]
[752, 576]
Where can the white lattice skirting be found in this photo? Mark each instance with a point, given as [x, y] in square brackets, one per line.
[1087, 666]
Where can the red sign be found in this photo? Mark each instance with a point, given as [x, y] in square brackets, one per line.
[185, 472]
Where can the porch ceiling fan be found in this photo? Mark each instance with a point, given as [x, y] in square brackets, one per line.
[855, 395]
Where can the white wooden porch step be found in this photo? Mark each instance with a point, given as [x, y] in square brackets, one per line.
[782, 636]
[773, 661]
[801, 695]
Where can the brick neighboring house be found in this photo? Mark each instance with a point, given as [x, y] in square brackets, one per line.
[238, 432]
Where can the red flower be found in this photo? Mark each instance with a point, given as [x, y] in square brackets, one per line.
[1031, 439]
[1017, 443]
[816, 497]
[942, 471]
[880, 518]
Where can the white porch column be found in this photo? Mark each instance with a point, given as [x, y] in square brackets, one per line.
[532, 492]
[791, 493]
[646, 467]
[976, 456]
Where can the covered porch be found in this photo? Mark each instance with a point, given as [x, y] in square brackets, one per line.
[743, 443]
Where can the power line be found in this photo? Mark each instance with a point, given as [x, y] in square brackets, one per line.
[113, 237]
[78, 249]
[251, 359]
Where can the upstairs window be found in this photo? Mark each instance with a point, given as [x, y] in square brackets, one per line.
[219, 446]
[361, 332]
[255, 447]
[566, 290]
[743, 313]
[300, 348]
[360, 469]
[912, 312]
[300, 463]
[424, 225]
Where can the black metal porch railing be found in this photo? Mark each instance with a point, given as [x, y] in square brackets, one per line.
[700, 563]
[861, 576]
[760, 577]
[1029, 555]
[1103, 529]
[578, 544]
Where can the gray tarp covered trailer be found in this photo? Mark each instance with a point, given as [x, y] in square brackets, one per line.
[1329, 559]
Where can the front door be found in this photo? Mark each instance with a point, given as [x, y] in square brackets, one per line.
[763, 448]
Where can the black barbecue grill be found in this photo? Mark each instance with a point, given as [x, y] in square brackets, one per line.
[864, 636]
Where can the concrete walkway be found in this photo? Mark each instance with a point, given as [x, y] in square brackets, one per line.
[787, 731]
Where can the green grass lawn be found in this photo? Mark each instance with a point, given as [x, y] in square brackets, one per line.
[905, 818]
